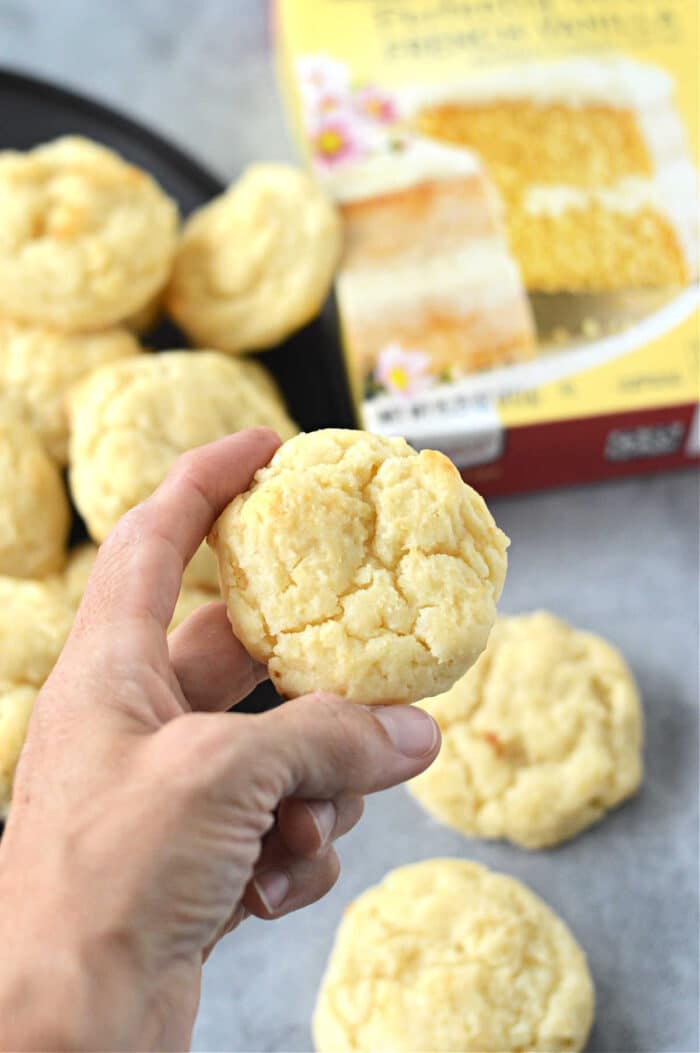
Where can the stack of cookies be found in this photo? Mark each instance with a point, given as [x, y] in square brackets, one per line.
[91, 255]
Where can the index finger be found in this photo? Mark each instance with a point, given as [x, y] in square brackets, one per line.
[138, 571]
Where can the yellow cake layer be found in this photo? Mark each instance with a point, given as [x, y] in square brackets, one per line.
[522, 143]
[591, 249]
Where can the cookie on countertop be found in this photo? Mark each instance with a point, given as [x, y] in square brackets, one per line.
[355, 565]
[35, 619]
[34, 511]
[86, 239]
[257, 263]
[131, 420]
[38, 366]
[539, 739]
[447, 955]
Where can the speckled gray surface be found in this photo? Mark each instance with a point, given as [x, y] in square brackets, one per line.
[621, 559]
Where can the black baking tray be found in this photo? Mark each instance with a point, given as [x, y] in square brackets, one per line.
[308, 367]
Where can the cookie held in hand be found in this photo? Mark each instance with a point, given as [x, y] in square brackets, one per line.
[356, 565]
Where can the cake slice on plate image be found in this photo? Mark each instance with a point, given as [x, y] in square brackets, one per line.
[590, 156]
[427, 284]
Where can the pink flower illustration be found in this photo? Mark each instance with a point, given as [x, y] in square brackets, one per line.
[403, 371]
[337, 138]
[376, 105]
[327, 103]
[322, 76]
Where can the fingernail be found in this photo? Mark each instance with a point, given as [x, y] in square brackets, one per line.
[412, 730]
[323, 814]
[272, 886]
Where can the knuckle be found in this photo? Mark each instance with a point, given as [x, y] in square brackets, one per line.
[356, 809]
[258, 770]
[195, 750]
[262, 434]
[185, 465]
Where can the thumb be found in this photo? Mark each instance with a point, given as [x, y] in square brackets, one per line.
[321, 746]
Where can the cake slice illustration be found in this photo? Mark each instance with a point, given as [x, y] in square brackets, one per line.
[426, 271]
[589, 155]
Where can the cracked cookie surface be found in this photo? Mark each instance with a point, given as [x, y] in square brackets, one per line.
[445, 955]
[256, 263]
[34, 513]
[86, 239]
[539, 739]
[356, 565]
[132, 419]
[38, 366]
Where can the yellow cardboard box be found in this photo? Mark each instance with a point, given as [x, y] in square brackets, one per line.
[518, 180]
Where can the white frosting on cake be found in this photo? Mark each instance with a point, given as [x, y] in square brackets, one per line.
[673, 193]
[610, 80]
[480, 275]
[664, 135]
[417, 161]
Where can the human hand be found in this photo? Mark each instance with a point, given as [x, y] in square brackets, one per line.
[146, 821]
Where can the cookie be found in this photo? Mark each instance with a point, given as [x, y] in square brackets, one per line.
[75, 577]
[131, 420]
[261, 378]
[148, 316]
[16, 704]
[86, 239]
[257, 263]
[38, 366]
[355, 565]
[34, 512]
[447, 955]
[539, 739]
[35, 619]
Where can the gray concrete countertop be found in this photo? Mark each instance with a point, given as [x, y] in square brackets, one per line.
[620, 559]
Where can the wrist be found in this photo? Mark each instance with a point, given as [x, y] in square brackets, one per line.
[59, 988]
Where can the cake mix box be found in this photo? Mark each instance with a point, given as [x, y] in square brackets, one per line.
[518, 183]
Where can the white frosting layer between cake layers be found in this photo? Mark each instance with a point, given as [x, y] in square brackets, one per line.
[673, 193]
[481, 276]
[609, 80]
[419, 161]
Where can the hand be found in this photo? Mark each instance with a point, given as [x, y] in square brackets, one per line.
[146, 821]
